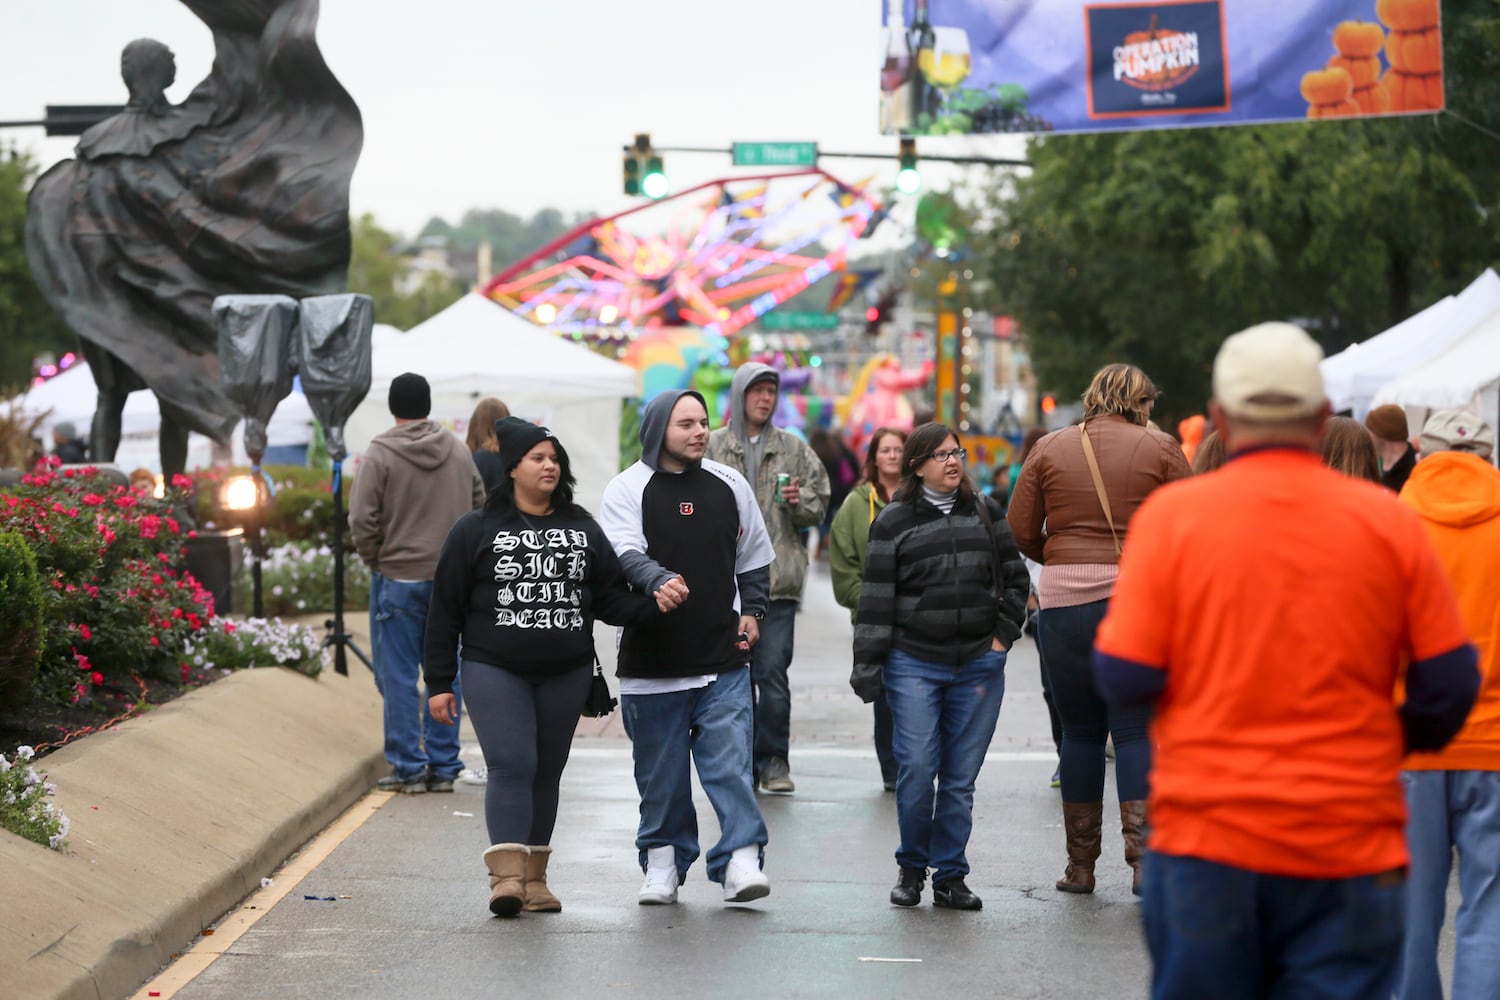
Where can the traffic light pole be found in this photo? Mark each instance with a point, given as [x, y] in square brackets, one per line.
[996, 161]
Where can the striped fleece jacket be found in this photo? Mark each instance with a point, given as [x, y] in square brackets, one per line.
[937, 586]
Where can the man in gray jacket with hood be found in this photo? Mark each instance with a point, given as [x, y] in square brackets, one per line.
[414, 481]
[761, 451]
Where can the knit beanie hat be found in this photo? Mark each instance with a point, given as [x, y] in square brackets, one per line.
[411, 397]
[1388, 423]
[517, 437]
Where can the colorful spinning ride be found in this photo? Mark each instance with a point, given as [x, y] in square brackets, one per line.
[715, 256]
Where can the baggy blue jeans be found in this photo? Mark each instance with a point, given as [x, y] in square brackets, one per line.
[1227, 933]
[416, 744]
[712, 728]
[1447, 810]
[770, 664]
[944, 720]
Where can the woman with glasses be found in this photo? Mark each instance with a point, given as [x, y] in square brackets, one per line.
[1070, 511]
[846, 559]
[943, 597]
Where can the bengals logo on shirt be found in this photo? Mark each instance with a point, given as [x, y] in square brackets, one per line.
[685, 508]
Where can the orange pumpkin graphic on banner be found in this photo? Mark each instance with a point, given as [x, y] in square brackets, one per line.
[1359, 45]
[1414, 51]
[1152, 58]
[1329, 93]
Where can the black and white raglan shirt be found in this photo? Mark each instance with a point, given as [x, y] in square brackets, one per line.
[704, 524]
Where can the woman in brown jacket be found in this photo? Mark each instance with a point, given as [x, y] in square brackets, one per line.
[1060, 520]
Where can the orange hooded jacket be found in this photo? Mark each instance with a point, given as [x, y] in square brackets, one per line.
[1457, 495]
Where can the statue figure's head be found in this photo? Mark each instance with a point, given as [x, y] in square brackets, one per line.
[149, 68]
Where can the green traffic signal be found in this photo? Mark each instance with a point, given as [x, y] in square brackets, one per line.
[654, 183]
[908, 179]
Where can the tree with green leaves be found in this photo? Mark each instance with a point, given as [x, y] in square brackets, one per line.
[1150, 247]
[28, 326]
[375, 269]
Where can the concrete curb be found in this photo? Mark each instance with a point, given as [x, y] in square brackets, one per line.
[177, 816]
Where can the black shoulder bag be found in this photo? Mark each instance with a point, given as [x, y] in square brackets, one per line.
[600, 702]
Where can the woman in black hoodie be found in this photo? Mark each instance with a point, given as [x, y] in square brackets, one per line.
[520, 582]
[943, 597]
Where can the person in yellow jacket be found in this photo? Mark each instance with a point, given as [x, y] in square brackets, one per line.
[1453, 795]
[848, 538]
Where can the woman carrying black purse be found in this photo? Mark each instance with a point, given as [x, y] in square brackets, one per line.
[520, 582]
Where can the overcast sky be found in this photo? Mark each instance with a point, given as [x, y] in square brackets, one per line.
[500, 103]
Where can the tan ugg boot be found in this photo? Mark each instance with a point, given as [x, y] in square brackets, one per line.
[539, 898]
[1083, 823]
[1133, 829]
[507, 865]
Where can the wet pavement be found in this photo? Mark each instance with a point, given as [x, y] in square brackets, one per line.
[410, 917]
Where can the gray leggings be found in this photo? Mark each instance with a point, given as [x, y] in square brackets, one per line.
[525, 727]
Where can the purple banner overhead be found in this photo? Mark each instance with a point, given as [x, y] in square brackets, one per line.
[969, 67]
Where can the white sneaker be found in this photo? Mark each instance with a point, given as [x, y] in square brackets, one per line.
[743, 879]
[660, 887]
[473, 776]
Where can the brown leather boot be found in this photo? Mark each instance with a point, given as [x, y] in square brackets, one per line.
[539, 898]
[507, 865]
[1083, 822]
[1133, 827]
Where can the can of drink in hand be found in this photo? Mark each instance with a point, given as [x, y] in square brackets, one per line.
[783, 480]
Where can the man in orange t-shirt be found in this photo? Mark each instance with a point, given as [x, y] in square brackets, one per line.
[1454, 795]
[1266, 608]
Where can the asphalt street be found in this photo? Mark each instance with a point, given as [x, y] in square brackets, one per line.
[409, 913]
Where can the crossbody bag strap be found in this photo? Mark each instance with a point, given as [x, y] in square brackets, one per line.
[1088, 454]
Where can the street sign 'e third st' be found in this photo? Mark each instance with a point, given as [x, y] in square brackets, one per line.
[775, 154]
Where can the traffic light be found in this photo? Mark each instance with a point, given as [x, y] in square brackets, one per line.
[643, 171]
[632, 175]
[881, 312]
[908, 180]
[655, 185]
[1049, 403]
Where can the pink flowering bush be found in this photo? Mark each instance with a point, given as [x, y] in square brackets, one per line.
[115, 600]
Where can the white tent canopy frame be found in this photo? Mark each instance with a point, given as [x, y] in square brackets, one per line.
[1354, 376]
[1465, 376]
[477, 348]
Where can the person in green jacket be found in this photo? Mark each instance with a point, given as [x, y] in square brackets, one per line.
[846, 557]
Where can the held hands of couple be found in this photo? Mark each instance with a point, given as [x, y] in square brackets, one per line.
[672, 594]
[441, 706]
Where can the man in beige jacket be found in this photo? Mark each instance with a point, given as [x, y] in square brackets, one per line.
[414, 482]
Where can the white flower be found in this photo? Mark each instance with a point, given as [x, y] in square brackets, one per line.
[24, 753]
[277, 590]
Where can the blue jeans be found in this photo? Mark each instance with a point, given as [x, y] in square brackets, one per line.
[1447, 810]
[416, 744]
[712, 727]
[1223, 932]
[770, 659]
[1066, 638]
[944, 720]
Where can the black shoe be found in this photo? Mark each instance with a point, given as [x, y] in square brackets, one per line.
[954, 895]
[908, 889]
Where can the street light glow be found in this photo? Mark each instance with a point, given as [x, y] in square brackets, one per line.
[240, 493]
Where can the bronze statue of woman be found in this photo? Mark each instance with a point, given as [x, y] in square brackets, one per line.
[242, 188]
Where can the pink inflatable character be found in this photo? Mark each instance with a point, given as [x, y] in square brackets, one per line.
[884, 403]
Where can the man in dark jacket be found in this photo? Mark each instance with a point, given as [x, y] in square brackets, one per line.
[415, 481]
[66, 446]
[685, 680]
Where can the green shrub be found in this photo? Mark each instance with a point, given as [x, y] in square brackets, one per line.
[297, 579]
[21, 619]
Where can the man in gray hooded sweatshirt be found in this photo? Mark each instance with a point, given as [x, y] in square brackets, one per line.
[761, 451]
[415, 480]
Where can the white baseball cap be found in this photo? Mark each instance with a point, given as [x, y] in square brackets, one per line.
[1269, 373]
[1457, 430]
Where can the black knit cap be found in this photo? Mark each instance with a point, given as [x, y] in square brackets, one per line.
[411, 397]
[517, 437]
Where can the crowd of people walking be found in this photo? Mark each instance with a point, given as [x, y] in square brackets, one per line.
[1289, 642]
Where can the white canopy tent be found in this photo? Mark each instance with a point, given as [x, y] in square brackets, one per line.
[72, 397]
[1353, 376]
[1466, 376]
[477, 348]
